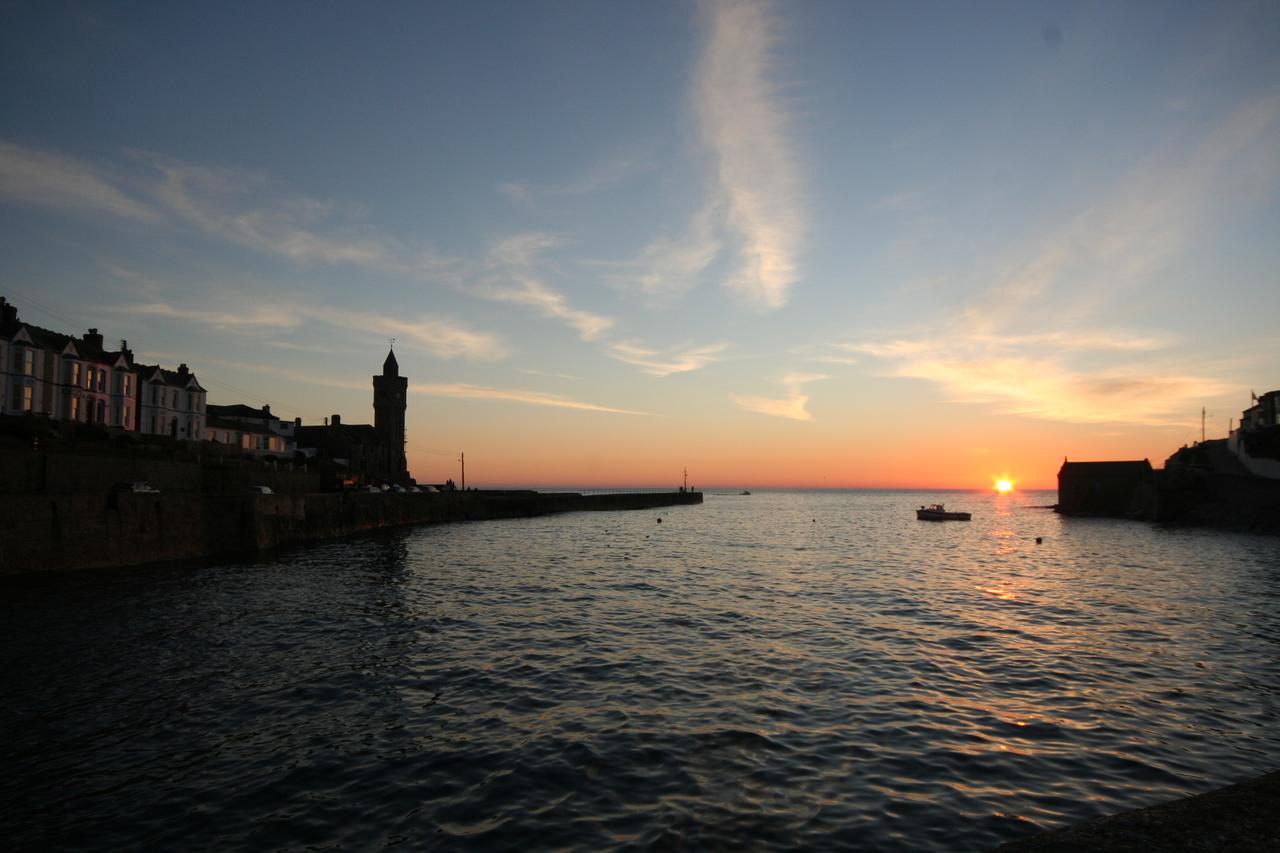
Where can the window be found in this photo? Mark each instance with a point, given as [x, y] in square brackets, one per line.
[28, 397]
[126, 417]
[126, 384]
[28, 365]
[155, 400]
[102, 413]
[88, 377]
[75, 408]
[173, 399]
[75, 373]
[102, 380]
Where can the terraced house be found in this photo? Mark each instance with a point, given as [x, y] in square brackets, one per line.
[170, 402]
[67, 378]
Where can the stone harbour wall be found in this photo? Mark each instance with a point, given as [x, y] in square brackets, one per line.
[53, 532]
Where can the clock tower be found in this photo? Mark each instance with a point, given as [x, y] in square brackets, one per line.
[390, 392]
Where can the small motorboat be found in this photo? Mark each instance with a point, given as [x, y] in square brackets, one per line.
[937, 512]
[745, 492]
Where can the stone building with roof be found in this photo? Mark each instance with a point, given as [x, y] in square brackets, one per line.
[170, 402]
[1105, 488]
[371, 453]
[254, 431]
[1256, 443]
[63, 377]
[69, 378]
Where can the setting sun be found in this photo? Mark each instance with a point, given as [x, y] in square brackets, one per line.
[1004, 486]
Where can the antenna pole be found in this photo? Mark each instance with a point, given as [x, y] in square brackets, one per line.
[1202, 424]
[463, 459]
[686, 478]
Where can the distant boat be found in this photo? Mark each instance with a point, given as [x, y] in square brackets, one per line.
[744, 492]
[937, 512]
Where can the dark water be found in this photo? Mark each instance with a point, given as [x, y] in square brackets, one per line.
[781, 670]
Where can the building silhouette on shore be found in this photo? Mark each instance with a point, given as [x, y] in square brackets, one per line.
[59, 377]
[63, 377]
[371, 452]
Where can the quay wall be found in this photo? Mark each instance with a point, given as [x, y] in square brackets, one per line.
[210, 470]
[78, 531]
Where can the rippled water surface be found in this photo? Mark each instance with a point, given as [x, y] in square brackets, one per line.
[782, 670]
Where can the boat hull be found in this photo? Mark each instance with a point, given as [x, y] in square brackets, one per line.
[931, 515]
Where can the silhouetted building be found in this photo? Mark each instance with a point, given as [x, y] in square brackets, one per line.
[1265, 412]
[1105, 488]
[1256, 443]
[390, 393]
[372, 453]
[170, 402]
[255, 431]
[63, 377]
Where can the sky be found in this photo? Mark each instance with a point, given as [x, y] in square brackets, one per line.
[804, 244]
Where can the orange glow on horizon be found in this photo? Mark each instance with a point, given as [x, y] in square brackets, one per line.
[1004, 485]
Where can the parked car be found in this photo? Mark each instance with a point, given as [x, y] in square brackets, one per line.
[372, 489]
[398, 488]
[260, 490]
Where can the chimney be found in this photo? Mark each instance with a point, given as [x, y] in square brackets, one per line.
[92, 338]
[183, 371]
[297, 422]
[8, 311]
[335, 420]
[266, 409]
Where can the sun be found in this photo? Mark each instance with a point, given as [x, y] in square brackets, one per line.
[1004, 486]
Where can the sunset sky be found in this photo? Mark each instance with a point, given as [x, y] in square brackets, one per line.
[806, 244]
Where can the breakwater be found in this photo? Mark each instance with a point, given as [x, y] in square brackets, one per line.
[79, 531]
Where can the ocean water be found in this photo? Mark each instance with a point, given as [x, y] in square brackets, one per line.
[782, 670]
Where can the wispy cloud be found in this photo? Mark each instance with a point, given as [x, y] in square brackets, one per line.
[532, 398]
[665, 362]
[1051, 375]
[251, 316]
[440, 337]
[793, 406]
[55, 180]
[1044, 376]
[513, 275]
[527, 290]
[1082, 370]
[1047, 387]
[602, 176]
[532, 372]
[227, 203]
[670, 266]
[745, 126]
[246, 209]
